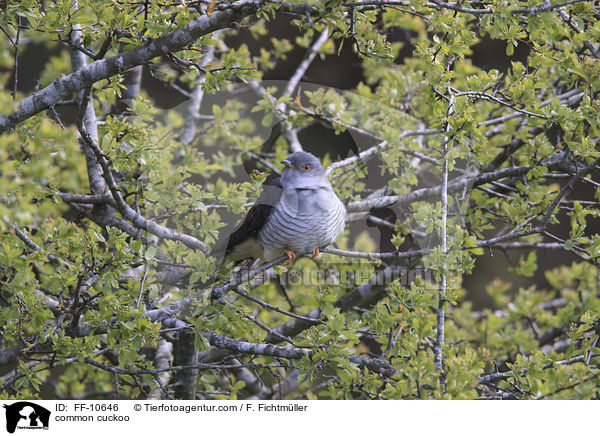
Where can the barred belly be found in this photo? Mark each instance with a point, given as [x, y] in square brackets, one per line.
[302, 229]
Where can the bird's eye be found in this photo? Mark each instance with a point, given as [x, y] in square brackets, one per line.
[306, 167]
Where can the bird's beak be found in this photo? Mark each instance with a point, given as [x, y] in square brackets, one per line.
[287, 163]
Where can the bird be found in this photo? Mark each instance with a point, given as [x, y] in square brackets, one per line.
[297, 212]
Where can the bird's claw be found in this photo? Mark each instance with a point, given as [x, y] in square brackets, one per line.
[291, 256]
[315, 252]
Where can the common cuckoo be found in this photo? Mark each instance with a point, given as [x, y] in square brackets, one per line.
[297, 212]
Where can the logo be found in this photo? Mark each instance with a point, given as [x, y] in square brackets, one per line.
[26, 415]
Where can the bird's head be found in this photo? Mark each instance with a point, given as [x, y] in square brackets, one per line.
[302, 164]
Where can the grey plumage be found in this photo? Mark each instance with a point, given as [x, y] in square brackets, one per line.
[297, 212]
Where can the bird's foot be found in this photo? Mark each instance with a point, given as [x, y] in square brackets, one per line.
[315, 252]
[291, 255]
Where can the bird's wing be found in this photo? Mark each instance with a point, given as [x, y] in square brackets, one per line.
[257, 216]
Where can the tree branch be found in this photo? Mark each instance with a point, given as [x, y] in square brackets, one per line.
[87, 114]
[193, 109]
[436, 4]
[103, 69]
[308, 58]
[128, 212]
[441, 311]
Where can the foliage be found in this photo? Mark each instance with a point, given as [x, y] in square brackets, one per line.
[107, 222]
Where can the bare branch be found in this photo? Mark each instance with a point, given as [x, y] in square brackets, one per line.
[453, 186]
[436, 4]
[102, 69]
[193, 110]
[308, 58]
[27, 240]
[489, 378]
[569, 185]
[441, 311]
[128, 212]
[87, 114]
[162, 360]
[490, 97]
[184, 352]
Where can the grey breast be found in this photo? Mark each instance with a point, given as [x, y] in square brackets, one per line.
[303, 220]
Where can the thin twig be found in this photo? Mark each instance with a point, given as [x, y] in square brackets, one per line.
[16, 65]
[441, 313]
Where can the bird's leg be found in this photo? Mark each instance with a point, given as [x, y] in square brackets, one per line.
[315, 252]
[290, 254]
